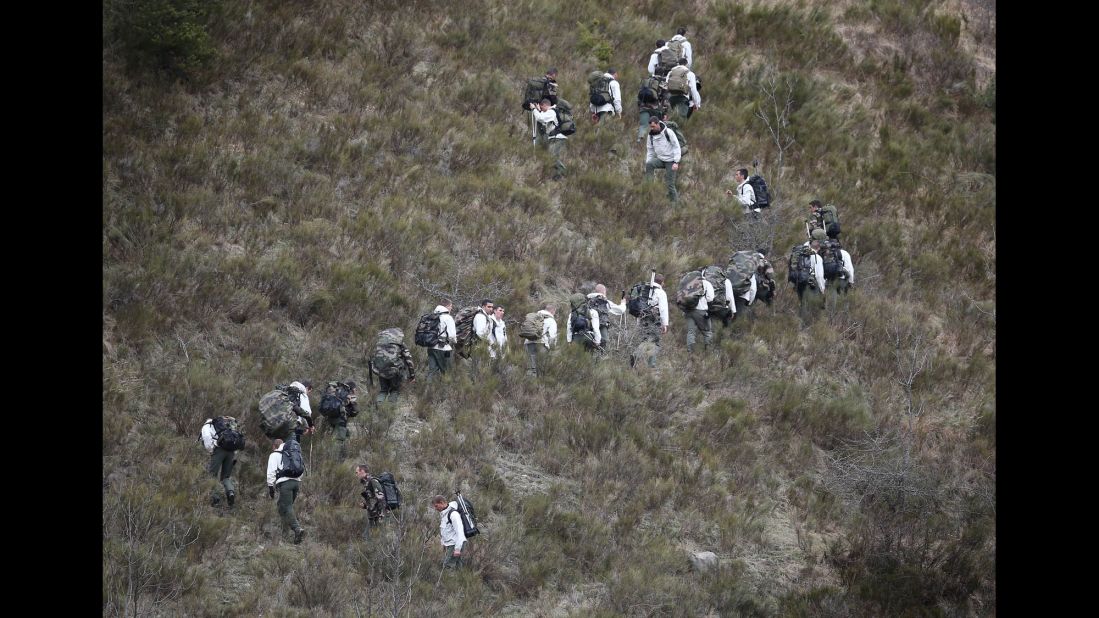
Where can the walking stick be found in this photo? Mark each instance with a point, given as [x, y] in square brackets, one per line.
[533, 130]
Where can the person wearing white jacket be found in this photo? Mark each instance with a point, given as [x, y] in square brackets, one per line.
[549, 137]
[220, 465]
[811, 295]
[654, 59]
[662, 152]
[614, 106]
[699, 317]
[498, 335]
[683, 88]
[452, 533]
[680, 40]
[549, 336]
[287, 489]
[605, 308]
[438, 357]
[654, 322]
[304, 411]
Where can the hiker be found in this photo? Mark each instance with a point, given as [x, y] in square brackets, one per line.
[744, 191]
[605, 308]
[221, 437]
[763, 284]
[653, 324]
[548, 338]
[825, 218]
[652, 101]
[339, 403]
[585, 320]
[281, 474]
[699, 317]
[663, 152]
[392, 363]
[304, 412]
[810, 293]
[683, 90]
[373, 499]
[498, 334]
[549, 135]
[681, 46]
[662, 59]
[438, 357]
[604, 88]
[539, 88]
[452, 533]
[838, 268]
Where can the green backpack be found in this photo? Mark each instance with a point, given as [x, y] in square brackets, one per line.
[719, 306]
[531, 328]
[678, 82]
[674, 126]
[831, 219]
[676, 45]
[666, 60]
[742, 265]
[599, 88]
[565, 124]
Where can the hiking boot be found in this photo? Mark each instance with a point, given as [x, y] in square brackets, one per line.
[231, 497]
[298, 534]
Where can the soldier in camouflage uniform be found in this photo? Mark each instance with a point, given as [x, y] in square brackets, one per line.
[348, 409]
[389, 354]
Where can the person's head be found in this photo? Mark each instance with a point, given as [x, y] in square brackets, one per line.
[350, 384]
[308, 384]
[447, 304]
[499, 312]
[551, 72]
[660, 43]
[683, 61]
[439, 503]
[550, 307]
[362, 471]
[814, 205]
[276, 444]
[654, 125]
[487, 305]
[601, 289]
[814, 245]
[544, 104]
[682, 31]
[742, 174]
[659, 278]
[820, 234]
[613, 73]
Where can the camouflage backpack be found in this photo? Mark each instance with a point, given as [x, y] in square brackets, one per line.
[463, 326]
[800, 266]
[674, 126]
[691, 290]
[578, 318]
[387, 361]
[653, 93]
[599, 303]
[742, 265]
[678, 82]
[719, 306]
[666, 60]
[531, 328]
[277, 418]
[599, 88]
[831, 219]
[538, 88]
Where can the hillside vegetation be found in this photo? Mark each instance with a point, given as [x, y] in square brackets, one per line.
[282, 180]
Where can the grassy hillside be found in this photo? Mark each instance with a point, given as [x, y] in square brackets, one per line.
[283, 180]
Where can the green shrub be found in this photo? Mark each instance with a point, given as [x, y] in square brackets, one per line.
[163, 35]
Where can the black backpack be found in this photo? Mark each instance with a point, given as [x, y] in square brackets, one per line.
[427, 330]
[334, 399]
[600, 305]
[833, 260]
[469, 516]
[292, 464]
[578, 319]
[227, 433]
[389, 488]
[763, 194]
[639, 300]
[800, 266]
[538, 88]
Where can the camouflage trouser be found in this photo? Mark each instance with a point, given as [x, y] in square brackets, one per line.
[389, 389]
[650, 333]
[221, 468]
[342, 435]
[557, 148]
[698, 319]
[288, 493]
[743, 311]
[669, 175]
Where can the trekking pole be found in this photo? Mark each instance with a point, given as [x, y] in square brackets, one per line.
[533, 130]
[310, 453]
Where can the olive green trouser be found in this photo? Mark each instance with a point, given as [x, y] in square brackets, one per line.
[221, 468]
[557, 148]
[288, 493]
[438, 361]
[669, 175]
[698, 319]
[341, 434]
[389, 389]
[449, 560]
[532, 354]
[810, 303]
[681, 105]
